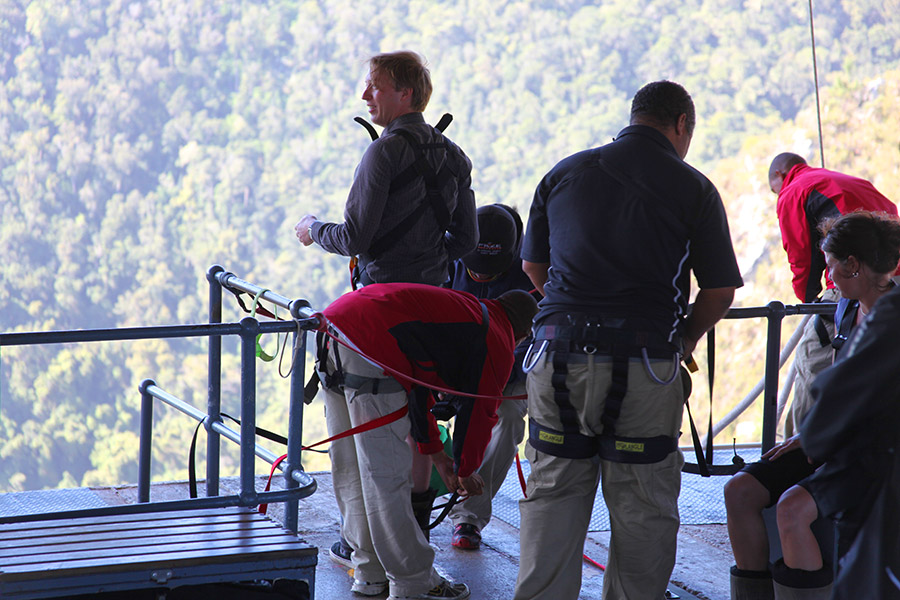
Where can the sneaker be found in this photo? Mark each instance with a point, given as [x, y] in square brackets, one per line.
[466, 536]
[368, 588]
[445, 590]
[340, 554]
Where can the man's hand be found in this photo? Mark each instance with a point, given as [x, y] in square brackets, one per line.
[444, 466]
[302, 229]
[473, 485]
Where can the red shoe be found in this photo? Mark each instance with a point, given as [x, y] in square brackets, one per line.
[466, 536]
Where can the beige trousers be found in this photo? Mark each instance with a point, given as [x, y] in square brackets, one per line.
[372, 479]
[810, 359]
[506, 436]
[642, 499]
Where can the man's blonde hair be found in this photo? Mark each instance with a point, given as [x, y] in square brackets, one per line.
[406, 70]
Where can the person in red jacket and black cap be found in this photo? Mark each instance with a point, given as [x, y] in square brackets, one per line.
[406, 338]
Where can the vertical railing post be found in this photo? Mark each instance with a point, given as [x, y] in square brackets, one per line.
[295, 420]
[214, 385]
[249, 331]
[146, 441]
[770, 391]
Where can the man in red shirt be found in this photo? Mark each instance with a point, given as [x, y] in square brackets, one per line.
[806, 196]
[405, 338]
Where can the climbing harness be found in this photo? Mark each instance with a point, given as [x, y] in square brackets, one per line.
[579, 340]
[434, 183]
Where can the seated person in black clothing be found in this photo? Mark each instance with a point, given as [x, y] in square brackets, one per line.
[858, 485]
[862, 250]
[494, 267]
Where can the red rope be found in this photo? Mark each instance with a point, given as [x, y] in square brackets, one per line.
[403, 376]
[586, 558]
[367, 426]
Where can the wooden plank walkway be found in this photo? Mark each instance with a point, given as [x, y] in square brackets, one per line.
[48, 559]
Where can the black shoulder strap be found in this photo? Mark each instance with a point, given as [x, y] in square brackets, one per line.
[368, 127]
[445, 121]
[420, 168]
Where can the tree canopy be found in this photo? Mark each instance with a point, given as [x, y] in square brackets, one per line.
[145, 140]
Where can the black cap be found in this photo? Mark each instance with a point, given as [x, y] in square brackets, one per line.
[497, 241]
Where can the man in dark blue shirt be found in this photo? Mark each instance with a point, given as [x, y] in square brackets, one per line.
[613, 235]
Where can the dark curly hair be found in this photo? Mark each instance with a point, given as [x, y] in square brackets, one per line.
[872, 237]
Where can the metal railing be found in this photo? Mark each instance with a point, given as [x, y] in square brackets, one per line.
[298, 484]
[774, 313]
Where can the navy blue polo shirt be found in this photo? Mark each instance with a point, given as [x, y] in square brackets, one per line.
[622, 227]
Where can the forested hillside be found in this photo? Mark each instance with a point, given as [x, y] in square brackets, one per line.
[142, 141]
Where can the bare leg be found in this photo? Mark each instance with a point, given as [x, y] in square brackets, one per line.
[421, 468]
[796, 512]
[745, 499]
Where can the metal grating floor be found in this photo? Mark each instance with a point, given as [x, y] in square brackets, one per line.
[45, 501]
[701, 501]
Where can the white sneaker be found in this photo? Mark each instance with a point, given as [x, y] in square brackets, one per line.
[368, 588]
[445, 590]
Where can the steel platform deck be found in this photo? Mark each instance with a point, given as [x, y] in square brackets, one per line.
[162, 550]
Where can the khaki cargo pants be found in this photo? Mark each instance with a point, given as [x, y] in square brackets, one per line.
[642, 498]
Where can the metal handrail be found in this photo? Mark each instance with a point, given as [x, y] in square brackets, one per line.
[298, 483]
[247, 329]
[775, 312]
[149, 388]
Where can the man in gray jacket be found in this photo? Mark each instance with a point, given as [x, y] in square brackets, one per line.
[411, 208]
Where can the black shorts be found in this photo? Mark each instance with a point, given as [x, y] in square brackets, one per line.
[778, 475]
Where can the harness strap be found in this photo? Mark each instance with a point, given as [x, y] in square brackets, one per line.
[609, 341]
[312, 385]
[612, 407]
[368, 127]
[821, 331]
[640, 451]
[704, 465]
[367, 426]
[372, 385]
[570, 442]
[844, 319]
[434, 181]
[485, 319]
[558, 443]
[568, 416]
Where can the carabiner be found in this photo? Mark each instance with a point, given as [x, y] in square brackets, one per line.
[526, 367]
[675, 360]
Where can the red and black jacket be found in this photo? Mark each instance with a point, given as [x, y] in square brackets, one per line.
[437, 336]
[809, 195]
